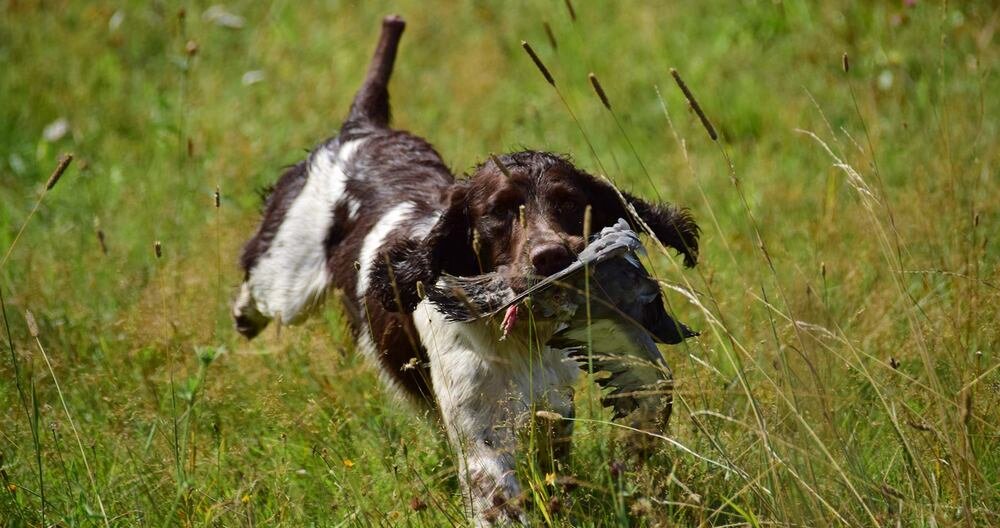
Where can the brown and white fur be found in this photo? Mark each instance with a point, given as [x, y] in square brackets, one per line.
[374, 211]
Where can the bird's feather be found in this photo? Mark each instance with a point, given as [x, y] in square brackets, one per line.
[616, 335]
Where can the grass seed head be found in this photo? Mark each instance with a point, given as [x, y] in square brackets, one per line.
[158, 249]
[421, 290]
[694, 105]
[500, 165]
[538, 63]
[64, 162]
[572, 12]
[599, 90]
[965, 414]
[102, 240]
[845, 63]
[551, 36]
[476, 242]
[549, 415]
[29, 318]
[217, 198]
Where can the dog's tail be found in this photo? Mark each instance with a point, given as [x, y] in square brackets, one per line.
[371, 104]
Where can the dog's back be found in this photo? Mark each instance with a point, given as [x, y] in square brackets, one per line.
[375, 214]
[328, 218]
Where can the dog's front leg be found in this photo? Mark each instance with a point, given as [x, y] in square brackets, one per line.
[479, 406]
[479, 409]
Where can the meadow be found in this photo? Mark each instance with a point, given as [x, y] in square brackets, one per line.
[848, 294]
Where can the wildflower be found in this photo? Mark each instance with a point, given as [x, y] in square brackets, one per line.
[12, 487]
[348, 463]
[550, 479]
[245, 499]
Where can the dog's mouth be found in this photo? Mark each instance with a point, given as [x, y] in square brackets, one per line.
[249, 320]
[517, 279]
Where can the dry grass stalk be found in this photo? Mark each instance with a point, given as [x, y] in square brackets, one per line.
[549, 415]
[551, 36]
[29, 319]
[599, 90]
[421, 290]
[845, 63]
[33, 328]
[102, 240]
[501, 166]
[572, 12]
[64, 162]
[694, 105]
[538, 63]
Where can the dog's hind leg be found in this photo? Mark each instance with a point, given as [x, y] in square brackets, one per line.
[371, 104]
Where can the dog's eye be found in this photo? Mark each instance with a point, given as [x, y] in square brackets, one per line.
[504, 205]
[569, 214]
[569, 210]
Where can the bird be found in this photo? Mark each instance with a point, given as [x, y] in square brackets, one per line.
[610, 316]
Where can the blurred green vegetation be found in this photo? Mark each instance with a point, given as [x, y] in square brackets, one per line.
[854, 382]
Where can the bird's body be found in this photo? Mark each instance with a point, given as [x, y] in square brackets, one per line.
[616, 334]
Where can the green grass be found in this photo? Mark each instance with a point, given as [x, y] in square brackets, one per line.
[847, 369]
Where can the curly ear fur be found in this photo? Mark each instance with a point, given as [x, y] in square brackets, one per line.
[672, 225]
[446, 248]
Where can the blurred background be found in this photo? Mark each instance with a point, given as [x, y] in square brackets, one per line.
[847, 293]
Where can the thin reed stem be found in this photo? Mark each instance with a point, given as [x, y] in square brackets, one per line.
[69, 416]
[64, 162]
[549, 79]
[603, 96]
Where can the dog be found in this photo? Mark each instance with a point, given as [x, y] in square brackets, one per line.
[376, 213]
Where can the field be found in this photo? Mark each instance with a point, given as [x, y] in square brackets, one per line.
[848, 294]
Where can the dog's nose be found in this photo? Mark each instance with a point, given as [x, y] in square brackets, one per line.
[249, 321]
[550, 258]
[248, 326]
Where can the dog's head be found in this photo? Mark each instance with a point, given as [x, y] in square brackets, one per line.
[523, 218]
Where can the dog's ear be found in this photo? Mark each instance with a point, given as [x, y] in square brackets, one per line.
[673, 226]
[447, 248]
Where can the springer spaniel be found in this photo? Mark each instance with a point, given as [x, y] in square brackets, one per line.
[375, 212]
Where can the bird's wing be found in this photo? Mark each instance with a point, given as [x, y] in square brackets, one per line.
[636, 377]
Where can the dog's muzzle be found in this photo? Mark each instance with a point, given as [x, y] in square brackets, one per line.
[249, 320]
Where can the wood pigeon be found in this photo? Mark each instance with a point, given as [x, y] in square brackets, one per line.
[625, 320]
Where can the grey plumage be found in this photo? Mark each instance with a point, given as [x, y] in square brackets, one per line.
[625, 320]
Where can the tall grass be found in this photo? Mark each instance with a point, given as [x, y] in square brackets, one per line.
[848, 291]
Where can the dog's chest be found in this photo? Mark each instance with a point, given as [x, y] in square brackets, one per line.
[474, 369]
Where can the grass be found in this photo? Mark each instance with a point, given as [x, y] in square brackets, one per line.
[848, 294]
